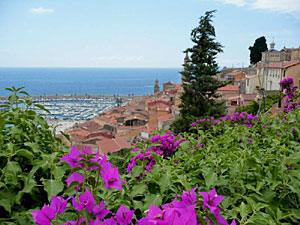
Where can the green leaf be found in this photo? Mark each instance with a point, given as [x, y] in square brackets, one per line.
[12, 170]
[58, 172]
[42, 108]
[26, 153]
[136, 171]
[34, 146]
[24, 92]
[7, 199]
[29, 185]
[164, 182]
[137, 204]
[138, 189]
[53, 187]
[152, 199]
[9, 89]
[7, 204]
[243, 210]
[210, 179]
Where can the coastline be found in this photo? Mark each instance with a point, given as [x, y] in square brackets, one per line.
[74, 97]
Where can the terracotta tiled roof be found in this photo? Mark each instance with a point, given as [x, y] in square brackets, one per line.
[90, 126]
[131, 127]
[229, 87]
[159, 101]
[113, 145]
[166, 117]
[289, 64]
[234, 72]
[79, 133]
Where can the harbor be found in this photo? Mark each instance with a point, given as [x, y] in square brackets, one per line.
[75, 107]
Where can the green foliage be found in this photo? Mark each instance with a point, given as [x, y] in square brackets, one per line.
[182, 124]
[200, 87]
[120, 159]
[260, 179]
[260, 45]
[253, 106]
[29, 154]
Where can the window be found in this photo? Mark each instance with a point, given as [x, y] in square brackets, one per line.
[284, 73]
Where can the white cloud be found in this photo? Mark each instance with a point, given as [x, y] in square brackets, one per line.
[41, 10]
[235, 2]
[284, 6]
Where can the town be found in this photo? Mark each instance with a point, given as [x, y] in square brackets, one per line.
[125, 126]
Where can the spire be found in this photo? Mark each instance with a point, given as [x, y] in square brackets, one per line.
[186, 58]
[272, 44]
[156, 86]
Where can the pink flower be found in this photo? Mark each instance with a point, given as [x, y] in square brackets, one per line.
[111, 178]
[189, 197]
[44, 216]
[99, 211]
[75, 177]
[211, 200]
[72, 159]
[75, 222]
[124, 215]
[86, 201]
[59, 204]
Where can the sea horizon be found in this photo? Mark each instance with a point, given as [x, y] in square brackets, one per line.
[86, 80]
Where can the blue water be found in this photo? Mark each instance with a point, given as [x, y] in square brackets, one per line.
[106, 81]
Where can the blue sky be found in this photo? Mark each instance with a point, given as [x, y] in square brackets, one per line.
[136, 33]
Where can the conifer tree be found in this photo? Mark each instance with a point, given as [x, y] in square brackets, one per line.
[200, 87]
[259, 46]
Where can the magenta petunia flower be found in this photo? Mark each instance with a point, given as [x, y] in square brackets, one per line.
[75, 177]
[99, 211]
[124, 215]
[59, 204]
[111, 178]
[86, 201]
[44, 216]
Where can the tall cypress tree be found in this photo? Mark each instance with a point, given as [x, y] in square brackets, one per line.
[259, 46]
[200, 87]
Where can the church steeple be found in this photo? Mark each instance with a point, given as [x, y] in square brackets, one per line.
[156, 86]
[186, 62]
[186, 58]
[272, 45]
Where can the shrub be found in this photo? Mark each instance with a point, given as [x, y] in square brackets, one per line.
[29, 154]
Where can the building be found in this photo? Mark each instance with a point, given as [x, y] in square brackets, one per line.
[156, 86]
[252, 84]
[186, 61]
[295, 55]
[168, 86]
[273, 55]
[292, 70]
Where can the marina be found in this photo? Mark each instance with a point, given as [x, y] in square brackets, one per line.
[75, 108]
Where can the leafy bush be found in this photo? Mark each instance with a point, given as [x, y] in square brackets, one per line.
[255, 166]
[253, 106]
[29, 153]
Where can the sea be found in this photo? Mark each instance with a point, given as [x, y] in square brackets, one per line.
[91, 81]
